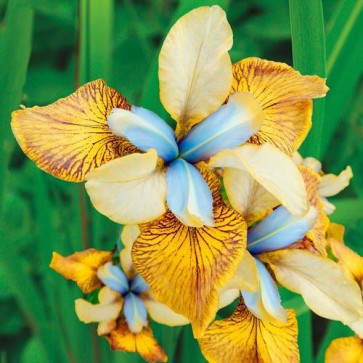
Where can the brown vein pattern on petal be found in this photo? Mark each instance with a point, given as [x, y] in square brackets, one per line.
[142, 343]
[318, 232]
[184, 266]
[243, 338]
[285, 97]
[70, 137]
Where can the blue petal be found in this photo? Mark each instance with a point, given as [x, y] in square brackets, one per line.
[267, 298]
[279, 230]
[138, 285]
[113, 277]
[188, 195]
[230, 126]
[144, 129]
[135, 312]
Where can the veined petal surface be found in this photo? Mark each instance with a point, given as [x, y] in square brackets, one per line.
[70, 137]
[345, 350]
[279, 230]
[195, 70]
[324, 285]
[144, 129]
[188, 195]
[142, 343]
[230, 126]
[285, 97]
[243, 338]
[81, 267]
[270, 167]
[129, 190]
[333, 184]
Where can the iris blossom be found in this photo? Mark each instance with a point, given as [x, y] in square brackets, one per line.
[124, 301]
[247, 118]
[279, 251]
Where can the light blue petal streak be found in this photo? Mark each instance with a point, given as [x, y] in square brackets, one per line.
[135, 312]
[138, 285]
[230, 126]
[113, 277]
[267, 298]
[144, 129]
[188, 195]
[279, 230]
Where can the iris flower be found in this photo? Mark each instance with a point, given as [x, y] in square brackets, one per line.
[124, 300]
[245, 118]
[280, 251]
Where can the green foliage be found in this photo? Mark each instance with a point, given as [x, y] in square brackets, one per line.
[47, 48]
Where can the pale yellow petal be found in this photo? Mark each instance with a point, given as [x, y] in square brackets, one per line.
[270, 167]
[70, 137]
[325, 286]
[129, 190]
[285, 97]
[247, 196]
[357, 327]
[128, 236]
[312, 163]
[243, 338]
[345, 350]
[226, 297]
[333, 184]
[195, 70]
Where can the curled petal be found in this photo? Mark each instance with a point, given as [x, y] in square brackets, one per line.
[144, 129]
[285, 97]
[188, 195]
[129, 190]
[324, 285]
[70, 137]
[333, 184]
[184, 266]
[345, 350]
[82, 267]
[194, 86]
[230, 126]
[142, 343]
[271, 168]
[243, 338]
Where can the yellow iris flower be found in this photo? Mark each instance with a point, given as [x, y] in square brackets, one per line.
[124, 300]
[247, 118]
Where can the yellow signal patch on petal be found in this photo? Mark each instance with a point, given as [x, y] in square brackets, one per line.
[195, 70]
[318, 232]
[345, 350]
[285, 97]
[243, 338]
[142, 343]
[81, 267]
[70, 137]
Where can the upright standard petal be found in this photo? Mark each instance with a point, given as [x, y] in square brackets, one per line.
[279, 230]
[144, 129]
[324, 285]
[128, 237]
[333, 184]
[243, 338]
[70, 137]
[188, 195]
[230, 126]
[284, 182]
[247, 196]
[129, 190]
[195, 70]
[285, 97]
[345, 350]
[142, 343]
[81, 267]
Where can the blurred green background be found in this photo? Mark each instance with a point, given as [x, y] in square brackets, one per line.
[47, 48]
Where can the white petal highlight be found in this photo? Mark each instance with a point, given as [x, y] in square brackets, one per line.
[195, 70]
[129, 190]
[333, 184]
[273, 169]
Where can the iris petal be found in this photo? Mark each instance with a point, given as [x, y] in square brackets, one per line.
[135, 312]
[279, 230]
[138, 285]
[188, 195]
[230, 126]
[144, 129]
[113, 277]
